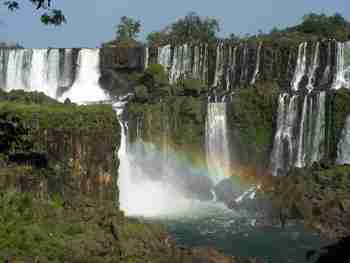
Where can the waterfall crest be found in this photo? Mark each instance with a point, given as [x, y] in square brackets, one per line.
[86, 87]
[300, 66]
[51, 71]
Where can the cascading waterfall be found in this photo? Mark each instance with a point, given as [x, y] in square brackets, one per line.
[164, 56]
[44, 71]
[86, 87]
[283, 146]
[319, 129]
[343, 149]
[17, 67]
[306, 145]
[244, 67]
[300, 161]
[300, 67]
[219, 65]
[66, 72]
[181, 66]
[257, 66]
[342, 77]
[146, 57]
[312, 70]
[217, 143]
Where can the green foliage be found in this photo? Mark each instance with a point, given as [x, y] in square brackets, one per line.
[253, 115]
[157, 38]
[14, 135]
[341, 109]
[25, 97]
[326, 26]
[50, 17]
[141, 93]
[195, 28]
[61, 116]
[128, 29]
[154, 77]
[188, 29]
[180, 118]
[193, 86]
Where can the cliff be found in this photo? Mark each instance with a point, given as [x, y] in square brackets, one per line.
[79, 142]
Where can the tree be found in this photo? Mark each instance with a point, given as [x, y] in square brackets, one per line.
[49, 17]
[157, 38]
[128, 29]
[194, 28]
[233, 37]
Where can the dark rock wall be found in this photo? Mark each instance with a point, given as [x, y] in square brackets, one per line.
[80, 143]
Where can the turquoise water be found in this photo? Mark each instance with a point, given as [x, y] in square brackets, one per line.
[235, 234]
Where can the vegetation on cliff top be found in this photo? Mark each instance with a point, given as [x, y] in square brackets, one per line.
[193, 28]
[190, 28]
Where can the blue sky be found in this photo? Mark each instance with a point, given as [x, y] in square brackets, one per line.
[91, 22]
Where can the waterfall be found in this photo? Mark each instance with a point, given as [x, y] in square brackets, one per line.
[45, 70]
[17, 69]
[256, 72]
[67, 70]
[52, 72]
[86, 87]
[300, 161]
[343, 149]
[181, 64]
[300, 67]
[306, 145]
[142, 193]
[314, 66]
[342, 76]
[164, 56]
[219, 65]
[146, 57]
[319, 129]
[283, 146]
[244, 65]
[217, 143]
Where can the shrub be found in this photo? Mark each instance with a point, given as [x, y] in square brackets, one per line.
[193, 86]
[141, 93]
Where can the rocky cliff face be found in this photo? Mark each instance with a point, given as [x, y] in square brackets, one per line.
[79, 144]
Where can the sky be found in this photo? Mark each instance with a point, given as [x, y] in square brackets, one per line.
[91, 22]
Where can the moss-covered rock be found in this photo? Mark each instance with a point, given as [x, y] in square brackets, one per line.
[80, 142]
[319, 196]
[193, 87]
[252, 117]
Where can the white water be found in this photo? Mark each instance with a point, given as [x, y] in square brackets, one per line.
[286, 121]
[142, 196]
[256, 72]
[343, 151]
[217, 143]
[300, 161]
[66, 78]
[342, 77]
[300, 67]
[86, 87]
[164, 57]
[39, 70]
[319, 130]
[314, 66]
[219, 65]
[146, 57]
